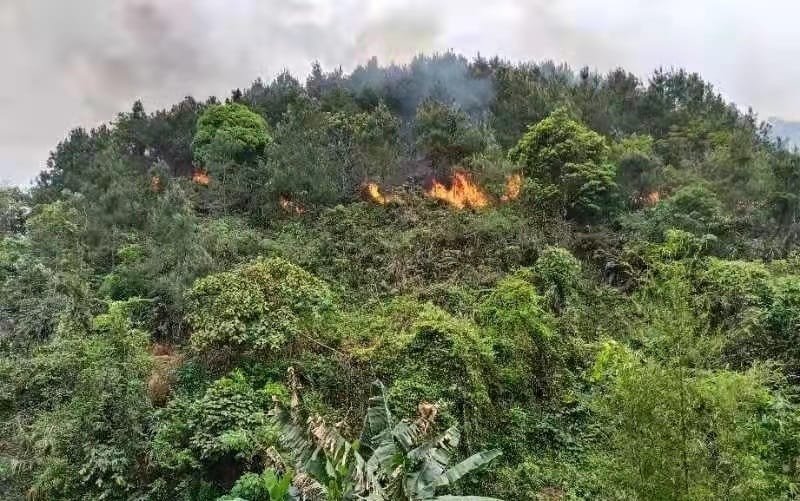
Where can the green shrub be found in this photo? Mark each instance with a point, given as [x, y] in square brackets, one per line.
[781, 323]
[557, 273]
[692, 434]
[81, 410]
[214, 437]
[694, 209]
[267, 486]
[431, 356]
[733, 288]
[564, 154]
[263, 305]
[522, 334]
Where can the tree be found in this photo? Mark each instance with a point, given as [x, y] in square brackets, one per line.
[272, 100]
[321, 157]
[229, 132]
[82, 411]
[391, 460]
[682, 433]
[447, 135]
[14, 208]
[570, 160]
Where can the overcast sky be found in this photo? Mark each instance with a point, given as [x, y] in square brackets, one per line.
[78, 62]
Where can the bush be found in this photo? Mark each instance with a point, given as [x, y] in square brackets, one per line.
[557, 273]
[215, 437]
[562, 153]
[267, 486]
[705, 435]
[81, 410]
[522, 335]
[732, 288]
[263, 305]
[693, 209]
[431, 356]
[781, 321]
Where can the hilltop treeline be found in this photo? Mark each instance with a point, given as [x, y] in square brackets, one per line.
[289, 294]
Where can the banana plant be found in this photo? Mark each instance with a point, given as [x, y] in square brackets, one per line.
[391, 461]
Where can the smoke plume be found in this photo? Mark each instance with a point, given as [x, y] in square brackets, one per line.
[79, 62]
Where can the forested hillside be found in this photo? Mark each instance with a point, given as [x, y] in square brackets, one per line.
[451, 278]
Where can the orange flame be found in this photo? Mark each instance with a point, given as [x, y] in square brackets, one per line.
[372, 192]
[642, 200]
[200, 176]
[291, 206]
[513, 188]
[461, 193]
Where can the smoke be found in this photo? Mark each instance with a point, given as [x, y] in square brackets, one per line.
[79, 62]
[443, 77]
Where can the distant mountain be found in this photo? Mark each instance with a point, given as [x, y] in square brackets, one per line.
[786, 129]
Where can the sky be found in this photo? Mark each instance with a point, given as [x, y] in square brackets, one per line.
[69, 63]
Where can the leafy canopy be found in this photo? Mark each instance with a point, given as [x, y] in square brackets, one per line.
[229, 132]
[569, 158]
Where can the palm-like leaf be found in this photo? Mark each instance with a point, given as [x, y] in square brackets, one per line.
[378, 419]
[472, 463]
[406, 434]
[402, 461]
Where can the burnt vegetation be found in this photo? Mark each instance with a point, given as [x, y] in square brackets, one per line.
[452, 277]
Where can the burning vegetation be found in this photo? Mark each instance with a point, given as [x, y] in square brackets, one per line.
[290, 206]
[513, 188]
[461, 193]
[200, 176]
[646, 199]
[372, 192]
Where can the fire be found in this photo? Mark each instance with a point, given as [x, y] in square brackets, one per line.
[291, 206]
[650, 199]
[461, 193]
[155, 184]
[200, 176]
[372, 192]
[513, 188]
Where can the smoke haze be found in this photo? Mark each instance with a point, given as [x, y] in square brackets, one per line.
[79, 62]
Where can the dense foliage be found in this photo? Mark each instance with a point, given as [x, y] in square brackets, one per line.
[197, 303]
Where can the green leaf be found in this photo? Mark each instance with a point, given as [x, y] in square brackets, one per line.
[379, 417]
[472, 463]
[463, 498]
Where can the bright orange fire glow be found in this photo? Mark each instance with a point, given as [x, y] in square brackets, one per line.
[372, 192]
[461, 193]
[513, 188]
[643, 199]
[200, 176]
[291, 206]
